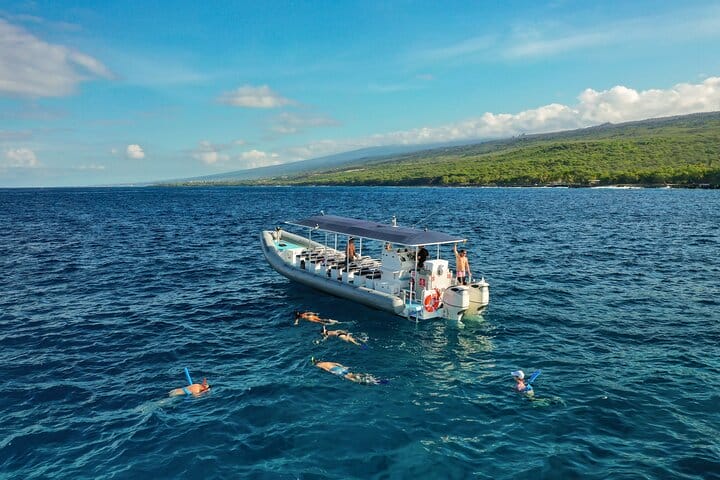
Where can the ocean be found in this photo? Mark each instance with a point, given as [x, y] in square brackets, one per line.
[107, 294]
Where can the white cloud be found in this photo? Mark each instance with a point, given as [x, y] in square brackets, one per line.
[257, 158]
[135, 152]
[616, 105]
[32, 67]
[622, 104]
[210, 154]
[254, 97]
[20, 158]
[211, 158]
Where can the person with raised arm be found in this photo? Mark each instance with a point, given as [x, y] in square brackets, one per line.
[462, 266]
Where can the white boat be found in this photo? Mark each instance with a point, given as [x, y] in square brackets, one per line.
[392, 281]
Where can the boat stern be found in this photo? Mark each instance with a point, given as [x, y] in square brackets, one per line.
[479, 296]
[456, 301]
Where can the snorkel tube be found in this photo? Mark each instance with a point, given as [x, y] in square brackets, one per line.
[529, 388]
[187, 375]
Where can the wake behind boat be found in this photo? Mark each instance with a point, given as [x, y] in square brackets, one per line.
[398, 280]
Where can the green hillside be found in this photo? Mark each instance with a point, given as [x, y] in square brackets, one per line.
[680, 150]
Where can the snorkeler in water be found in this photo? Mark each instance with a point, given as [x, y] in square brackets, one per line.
[343, 371]
[313, 317]
[520, 384]
[341, 334]
[525, 387]
[194, 389]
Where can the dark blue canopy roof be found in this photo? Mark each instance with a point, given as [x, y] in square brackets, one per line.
[410, 237]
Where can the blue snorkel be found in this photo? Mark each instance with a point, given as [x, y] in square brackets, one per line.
[532, 378]
[187, 375]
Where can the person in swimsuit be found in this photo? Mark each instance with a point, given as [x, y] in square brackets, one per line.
[343, 371]
[341, 334]
[462, 266]
[196, 389]
[520, 384]
[313, 317]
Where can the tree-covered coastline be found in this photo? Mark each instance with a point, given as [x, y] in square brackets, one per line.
[677, 151]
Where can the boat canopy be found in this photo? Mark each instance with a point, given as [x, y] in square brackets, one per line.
[411, 237]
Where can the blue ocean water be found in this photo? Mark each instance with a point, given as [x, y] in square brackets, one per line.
[106, 294]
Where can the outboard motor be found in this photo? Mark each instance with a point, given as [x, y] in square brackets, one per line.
[479, 296]
[456, 300]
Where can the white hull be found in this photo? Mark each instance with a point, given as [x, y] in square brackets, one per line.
[371, 298]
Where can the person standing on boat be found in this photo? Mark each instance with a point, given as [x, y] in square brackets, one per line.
[462, 266]
[350, 250]
[422, 255]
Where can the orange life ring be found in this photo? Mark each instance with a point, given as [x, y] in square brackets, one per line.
[432, 301]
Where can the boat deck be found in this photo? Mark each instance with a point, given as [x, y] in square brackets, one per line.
[330, 262]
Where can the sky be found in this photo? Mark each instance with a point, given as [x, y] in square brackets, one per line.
[106, 93]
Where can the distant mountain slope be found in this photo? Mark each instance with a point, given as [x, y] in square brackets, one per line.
[294, 168]
[681, 150]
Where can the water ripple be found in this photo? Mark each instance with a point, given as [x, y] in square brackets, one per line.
[106, 294]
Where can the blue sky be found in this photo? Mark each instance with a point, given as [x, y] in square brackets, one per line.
[98, 93]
